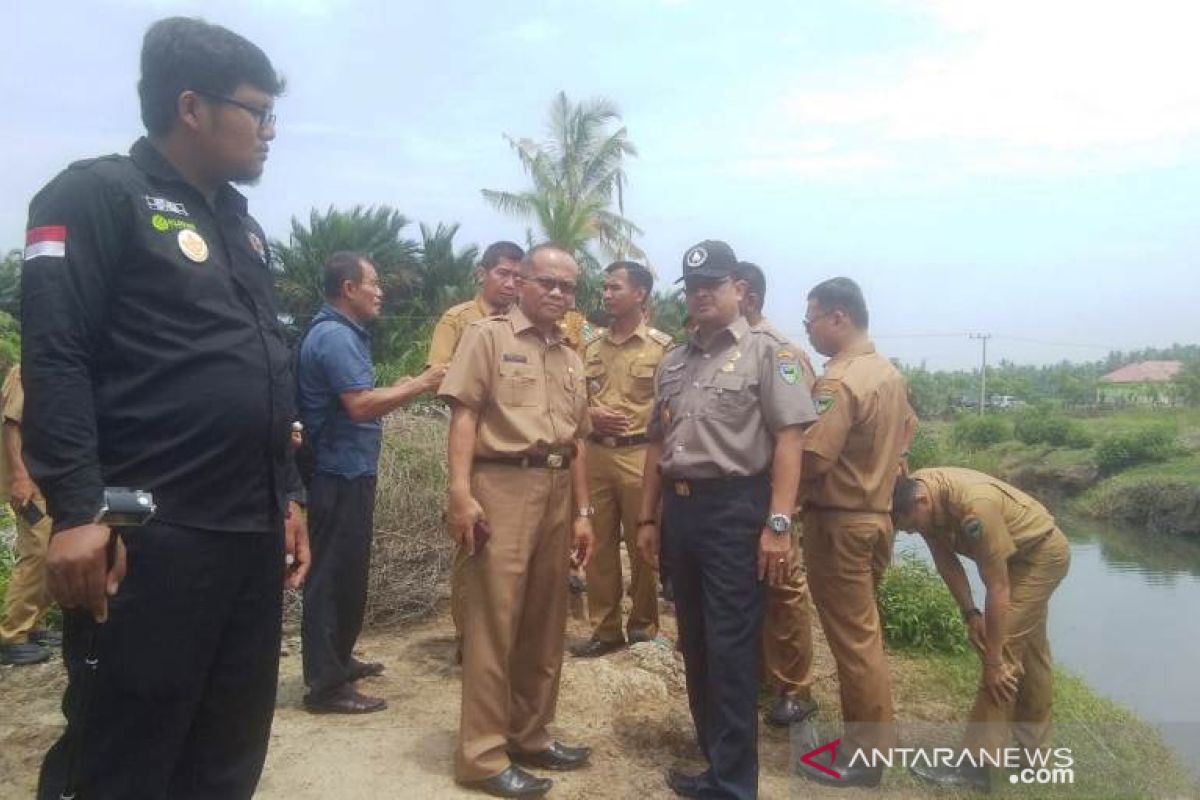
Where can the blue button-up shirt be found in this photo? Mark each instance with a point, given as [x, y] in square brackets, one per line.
[336, 358]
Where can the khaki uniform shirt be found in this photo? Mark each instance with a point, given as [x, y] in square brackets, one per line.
[12, 407]
[718, 408]
[450, 328]
[620, 375]
[529, 393]
[981, 517]
[863, 404]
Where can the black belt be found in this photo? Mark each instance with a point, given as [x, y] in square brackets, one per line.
[620, 441]
[685, 487]
[543, 461]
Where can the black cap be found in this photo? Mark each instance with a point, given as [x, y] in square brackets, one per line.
[710, 259]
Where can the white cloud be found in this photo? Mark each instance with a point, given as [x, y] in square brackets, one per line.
[1026, 85]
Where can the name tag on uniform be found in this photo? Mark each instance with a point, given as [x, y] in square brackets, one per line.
[515, 358]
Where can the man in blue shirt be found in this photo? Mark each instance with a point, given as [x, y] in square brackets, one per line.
[342, 413]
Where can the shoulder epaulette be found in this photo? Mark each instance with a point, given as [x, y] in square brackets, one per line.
[662, 338]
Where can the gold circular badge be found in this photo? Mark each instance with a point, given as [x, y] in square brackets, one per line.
[193, 245]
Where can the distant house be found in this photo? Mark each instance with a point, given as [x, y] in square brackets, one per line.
[1147, 383]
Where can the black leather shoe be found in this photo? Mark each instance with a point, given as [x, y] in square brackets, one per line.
[24, 654]
[788, 710]
[978, 778]
[686, 785]
[850, 776]
[594, 647]
[557, 756]
[513, 782]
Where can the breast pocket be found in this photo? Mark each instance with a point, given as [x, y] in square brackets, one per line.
[594, 370]
[517, 386]
[730, 395]
[642, 379]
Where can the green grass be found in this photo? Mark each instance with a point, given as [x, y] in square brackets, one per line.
[1116, 754]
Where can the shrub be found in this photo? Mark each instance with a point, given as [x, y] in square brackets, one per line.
[977, 432]
[1123, 450]
[1042, 427]
[924, 451]
[411, 553]
[917, 610]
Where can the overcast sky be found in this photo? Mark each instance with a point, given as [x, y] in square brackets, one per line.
[1024, 168]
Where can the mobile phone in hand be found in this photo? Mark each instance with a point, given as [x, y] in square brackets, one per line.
[481, 533]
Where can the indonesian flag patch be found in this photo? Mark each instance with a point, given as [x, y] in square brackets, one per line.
[48, 240]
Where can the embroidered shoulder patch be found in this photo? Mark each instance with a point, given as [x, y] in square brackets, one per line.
[823, 402]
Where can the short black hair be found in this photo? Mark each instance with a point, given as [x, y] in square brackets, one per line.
[182, 53]
[842, 294]
[342, 266]
[509, 251]
[639, 276]
[754, 277]
[904, 496]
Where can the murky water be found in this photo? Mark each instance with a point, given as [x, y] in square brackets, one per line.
[1127, 619]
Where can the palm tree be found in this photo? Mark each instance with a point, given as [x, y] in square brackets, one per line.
[447, 277]
[374, 231]
[578, 174]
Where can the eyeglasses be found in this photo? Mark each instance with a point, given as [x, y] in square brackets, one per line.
[808, 323]
[548, 285]
[265, 116]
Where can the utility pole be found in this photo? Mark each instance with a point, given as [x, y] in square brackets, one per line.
[982, 370]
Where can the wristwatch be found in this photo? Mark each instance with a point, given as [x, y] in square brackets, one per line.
[779, 523]
[585, 512]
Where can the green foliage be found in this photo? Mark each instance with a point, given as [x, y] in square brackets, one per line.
[972, 432]
[1188, 383]
[578, 174]
[1041, 426]
[924, 450]
[10, 283]
[10, 343]
[420, 279]
[917, 610]
[1123, 450]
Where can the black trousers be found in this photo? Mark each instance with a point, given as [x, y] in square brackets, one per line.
[180, 702]
[341, 520]
[710, 550]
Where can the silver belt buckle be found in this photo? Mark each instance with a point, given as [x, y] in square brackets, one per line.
[554, 461]
[609, 441]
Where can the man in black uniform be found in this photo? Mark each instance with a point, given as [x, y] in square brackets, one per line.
[153, 359]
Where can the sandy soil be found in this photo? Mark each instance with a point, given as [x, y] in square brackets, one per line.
[629, 706]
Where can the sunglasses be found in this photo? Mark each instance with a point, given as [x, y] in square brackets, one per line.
[548, 285]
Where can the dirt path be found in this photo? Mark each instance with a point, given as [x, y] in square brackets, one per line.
[629, 706]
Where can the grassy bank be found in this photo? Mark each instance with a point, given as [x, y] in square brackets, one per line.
[1137, 467]
[936, 674]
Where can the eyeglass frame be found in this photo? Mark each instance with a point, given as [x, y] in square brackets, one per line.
[566, 288]
[265, 116]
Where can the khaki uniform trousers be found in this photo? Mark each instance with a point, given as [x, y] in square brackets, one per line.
[1032, 580]
[28, 596]
[457, 571]
[846, 553]
[515, 595]
[787, 645]
[615, 486]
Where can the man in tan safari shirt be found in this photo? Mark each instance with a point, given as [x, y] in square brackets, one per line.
[517, 458]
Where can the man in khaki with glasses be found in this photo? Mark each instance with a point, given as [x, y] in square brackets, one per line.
[516, 455]
[497, 279]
